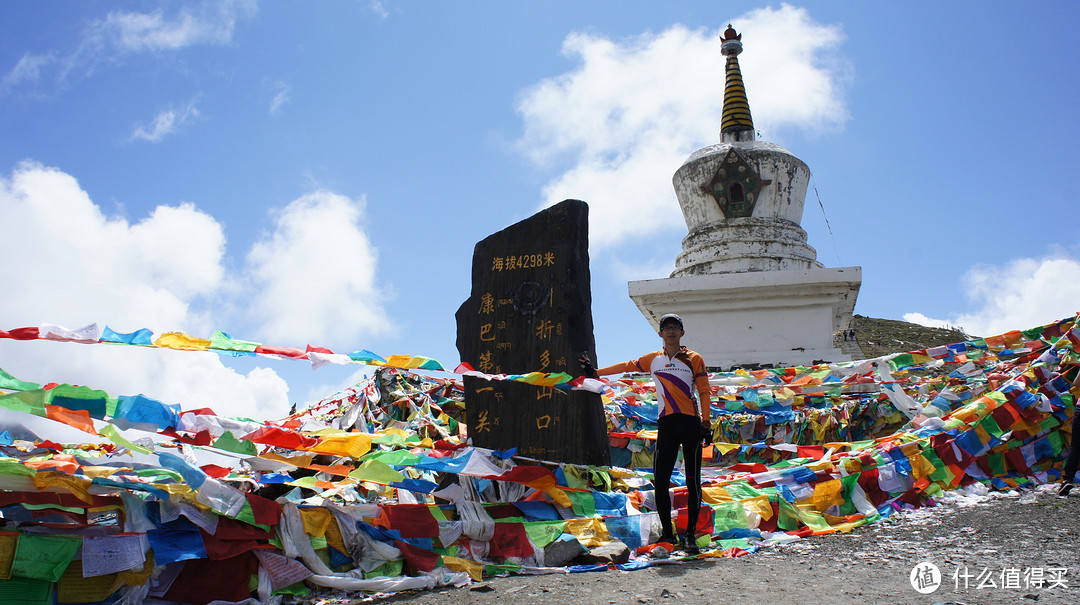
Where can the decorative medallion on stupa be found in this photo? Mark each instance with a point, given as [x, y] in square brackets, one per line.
[736, 185]
[747, 283]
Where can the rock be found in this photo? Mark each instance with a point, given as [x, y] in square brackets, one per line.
[616, 553]
[560, 552]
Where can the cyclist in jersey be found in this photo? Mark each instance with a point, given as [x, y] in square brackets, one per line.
[684, 420]
[1072, 461]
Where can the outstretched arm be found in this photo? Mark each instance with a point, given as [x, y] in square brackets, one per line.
[590, 372]
[619, 368]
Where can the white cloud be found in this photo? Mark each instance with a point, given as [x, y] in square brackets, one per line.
[312, 281]
[165, 123]
[622, 271]
[71, 265]
[631, 112]
[315, 275]
[320, 392]
[379, 8]
[210, 23]
[930, 322]
[1024, 293]
[27, 70]
[122, 33]
[202, 380]
[76, 265]
[281, 96]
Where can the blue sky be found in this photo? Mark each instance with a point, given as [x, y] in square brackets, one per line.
[296, 173]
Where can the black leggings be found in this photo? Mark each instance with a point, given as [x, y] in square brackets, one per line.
[675, 431]
[1073, 461]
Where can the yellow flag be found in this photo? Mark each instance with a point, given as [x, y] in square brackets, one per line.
[301, 460]
[179, 340]
[590, 532]
[760, 505]
[8, 540]
[726, 447]
[78, 486]
[353, 445]
[826, 494]
[74, 588]
[715, 495]
[316, 520]
[474, 569]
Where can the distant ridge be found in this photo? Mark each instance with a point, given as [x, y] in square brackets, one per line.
[876, 337]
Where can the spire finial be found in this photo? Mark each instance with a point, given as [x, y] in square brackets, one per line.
[732, 41]
[736, 124]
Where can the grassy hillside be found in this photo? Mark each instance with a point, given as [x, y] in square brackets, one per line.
[878, 337]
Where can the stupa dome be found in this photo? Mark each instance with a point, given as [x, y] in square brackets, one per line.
[743, 198]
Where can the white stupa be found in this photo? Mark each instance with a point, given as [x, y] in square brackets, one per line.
[747, 285]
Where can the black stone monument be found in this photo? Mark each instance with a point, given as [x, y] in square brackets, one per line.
[530, 311]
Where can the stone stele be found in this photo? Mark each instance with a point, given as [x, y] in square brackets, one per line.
[530, 311]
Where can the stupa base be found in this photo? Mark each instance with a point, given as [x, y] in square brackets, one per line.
[778, 318]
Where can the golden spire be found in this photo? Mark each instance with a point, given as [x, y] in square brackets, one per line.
[736, 124]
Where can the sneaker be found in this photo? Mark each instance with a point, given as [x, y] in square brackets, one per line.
[688, 544]
[1065, 488]
[669, 538]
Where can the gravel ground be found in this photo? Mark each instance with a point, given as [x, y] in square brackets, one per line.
[1001, 541]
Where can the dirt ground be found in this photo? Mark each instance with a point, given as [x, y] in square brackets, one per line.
[989, 549]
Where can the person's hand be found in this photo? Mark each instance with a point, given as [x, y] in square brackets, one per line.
[706, 433]
[587, 368]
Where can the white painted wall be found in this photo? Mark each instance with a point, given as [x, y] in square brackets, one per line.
[775, 317]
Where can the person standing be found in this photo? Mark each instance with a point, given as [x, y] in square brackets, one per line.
[684, 420]
[1068, 474]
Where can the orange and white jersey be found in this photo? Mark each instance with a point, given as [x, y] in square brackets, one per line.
[675, 378]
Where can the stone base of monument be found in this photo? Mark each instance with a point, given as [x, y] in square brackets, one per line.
[778, 318]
